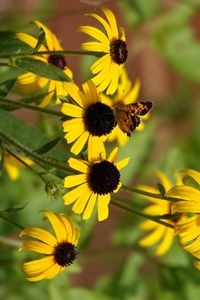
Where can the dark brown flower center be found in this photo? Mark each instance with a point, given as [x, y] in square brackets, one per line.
[99, 119]
[118, 51]
[65, 253]
[58, 61]
[103, 177]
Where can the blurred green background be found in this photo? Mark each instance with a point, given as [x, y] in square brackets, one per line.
[163, 39]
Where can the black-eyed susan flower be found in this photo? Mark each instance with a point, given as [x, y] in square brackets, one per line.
[189, 194]
[111, 44]
[126, 94]
[188, 231]
[98, 178]
[12, 165]
[29, 82]
[159, 235]
[60, 250]
[91, 120]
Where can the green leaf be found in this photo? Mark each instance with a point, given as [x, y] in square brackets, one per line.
[41, 38]
[10, 44]
[14, 208]
[6, 86]
[2, 156]
[48, 146]
[40, 68]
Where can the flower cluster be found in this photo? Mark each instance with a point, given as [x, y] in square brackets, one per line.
[103, 110]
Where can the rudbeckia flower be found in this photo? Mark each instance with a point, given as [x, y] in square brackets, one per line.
[60, 250]
[161, 236]
[91, 120]
[189, 194]
[111, 44]
[12, 165]
[98, 178]
[29, 82]
[188, 231]
[126, 94]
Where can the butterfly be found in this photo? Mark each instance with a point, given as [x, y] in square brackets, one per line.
[128, 116]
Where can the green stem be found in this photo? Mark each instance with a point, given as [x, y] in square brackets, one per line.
[16, 105]
[37, 157]
[64, 52]
[27, 165]
[148, 194]
[115, 201]
[9, 242]
[11, 221]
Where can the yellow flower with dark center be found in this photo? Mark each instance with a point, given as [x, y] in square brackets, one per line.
[91, 120]
[98, 178]
[161, 236]
[112, 46]
[29, 82]
[60, 250]
[126, 94]
[12, 165]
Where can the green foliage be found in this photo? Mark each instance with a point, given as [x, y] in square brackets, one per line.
[41, 39]
[175, 39]
[139, 11]
[6, 86]
[40, 68]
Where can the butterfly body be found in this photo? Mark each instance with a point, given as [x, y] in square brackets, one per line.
[128, 116]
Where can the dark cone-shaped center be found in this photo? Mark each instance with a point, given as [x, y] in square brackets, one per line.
[65, 254]
[58, 61]
[99, 119]
[103, 177]
[118, 51]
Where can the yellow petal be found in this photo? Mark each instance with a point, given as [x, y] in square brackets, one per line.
[81, 202]
[153, 237]
[90, 206]
[122, 163]
[166, 242]
[103, 210]
[113, 155]
[96, 149]
[80, 143]
[29, 40]
[37, 247]
[95, 33]
[74, 194]
[78, 165]
[192, 173]
[57, 225]
[185, 193]
[12, 171]
[73, 90]
[164, 180]
[74, 180]
[69, 227]
[40, 234]
[112, 21]
[105, 25]
[72, 110]
[38, 266]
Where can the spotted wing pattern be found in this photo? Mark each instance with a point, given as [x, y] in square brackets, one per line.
[127, 116]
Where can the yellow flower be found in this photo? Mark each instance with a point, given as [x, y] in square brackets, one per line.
[98, 178]
[189, 194]
[12, 165]
[188, 231]
[125, 94]
[60, 250]
[160, 235]
[29, 82]
[111, 44]
[91, 120]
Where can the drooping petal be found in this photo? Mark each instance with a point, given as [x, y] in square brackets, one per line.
[37, 247]
[75, 193]
[90, 206]
[40, 234]
[57, 225]
[103, 210]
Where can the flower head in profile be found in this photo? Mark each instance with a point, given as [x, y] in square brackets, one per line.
[12, 165]
[60, 250]
[159, 235]
[126, 94]
[111, 44]
[90, 119]
[29, 82]
[188, 195]
[98, 178]
[188, 202]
